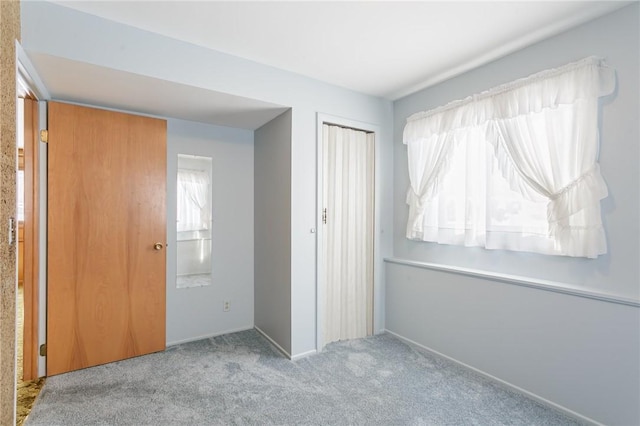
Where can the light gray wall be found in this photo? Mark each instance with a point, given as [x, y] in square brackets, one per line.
[197, 312]
[59, 31]
[579, 353]
[272, 183]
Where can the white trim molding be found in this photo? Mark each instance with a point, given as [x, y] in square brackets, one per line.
[208, 336]
[303, 355]
[28, 77]
[520, 281]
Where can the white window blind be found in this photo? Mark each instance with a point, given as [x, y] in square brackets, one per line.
[514, 167]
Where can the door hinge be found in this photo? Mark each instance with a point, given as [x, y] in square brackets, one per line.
[324, 216]
[44, 135]
[43, 349]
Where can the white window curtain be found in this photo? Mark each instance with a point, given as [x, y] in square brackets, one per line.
[527, 148]
[348, 188]
[192, 200]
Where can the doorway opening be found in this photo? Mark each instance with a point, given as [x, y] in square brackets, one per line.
[31, 230]
[346, 240]
[28, 384]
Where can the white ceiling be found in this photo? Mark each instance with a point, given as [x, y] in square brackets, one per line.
[382, 48]
[74, 81]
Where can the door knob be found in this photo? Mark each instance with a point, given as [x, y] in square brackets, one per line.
[157, 246]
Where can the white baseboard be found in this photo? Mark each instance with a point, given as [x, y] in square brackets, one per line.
[273, 342]
[304, 354]
[208, 336]
[513, 387]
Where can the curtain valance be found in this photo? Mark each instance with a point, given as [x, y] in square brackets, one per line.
[588, 78]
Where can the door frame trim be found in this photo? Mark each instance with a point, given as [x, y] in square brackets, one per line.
[27, 76]
[31, 240]
[378, 325]
[28, 82]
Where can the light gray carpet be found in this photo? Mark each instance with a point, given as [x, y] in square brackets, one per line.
[241, 379]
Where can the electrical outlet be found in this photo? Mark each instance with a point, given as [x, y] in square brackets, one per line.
[226, 306]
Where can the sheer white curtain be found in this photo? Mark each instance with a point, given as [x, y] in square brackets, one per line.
[348, 233]
[431, 160]
[192, 200]
[452, 211]
[543, 134]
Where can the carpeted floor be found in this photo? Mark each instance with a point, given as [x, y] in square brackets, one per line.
[241, 379]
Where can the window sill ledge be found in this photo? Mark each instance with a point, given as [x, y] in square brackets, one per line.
[519, 280]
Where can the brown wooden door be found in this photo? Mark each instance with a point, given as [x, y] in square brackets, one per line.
[106, 210]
